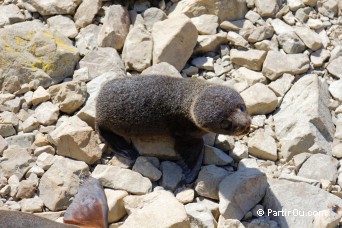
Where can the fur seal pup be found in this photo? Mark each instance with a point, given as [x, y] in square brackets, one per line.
[183, 108]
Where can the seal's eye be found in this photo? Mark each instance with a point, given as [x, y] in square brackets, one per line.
[242, 108]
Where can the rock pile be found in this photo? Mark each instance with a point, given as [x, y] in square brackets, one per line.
[284, 57]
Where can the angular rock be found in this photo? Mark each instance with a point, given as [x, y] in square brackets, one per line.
[208, 181]
[313, 166]
[281, 27]
[249, 76]
[61, 182]
[237, 40]
[64, 25]
[291, 43]
[16, 161]
[251, 59]
[335, 89]
[307, 99]
[223, 223]
[172, 175]
[30, 124]
[3, 144]
[287, 196]
[75, 139]
[261, 33]
[122, 179]
[36, 54]
[200, 215]
[10, 14]
[39, 96]
[262, 145]
[47, 113]
[282, 84]
[115, 27]
[310, 38]
[86, 12]
[162, 68]
[24, 140]
[335, 67]
[237, 196]
[328, 8]
[215, 156]
[267, 8]
[170, 36]
[145, 167]
[86, 40]
[69, 96]
[102, 60]
[208, 43]
[32, 205]
[225, 10]
[45, 160]
[26, 189]
[276, 64]
[157, 209]
[240, 151]
[116, 209]
[137, 50]
[206, 24]
[53, 7]
[152, 15]
[205, 63]
[319, 57]
[259, 99]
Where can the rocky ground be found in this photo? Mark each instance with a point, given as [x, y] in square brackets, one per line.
[285, 57]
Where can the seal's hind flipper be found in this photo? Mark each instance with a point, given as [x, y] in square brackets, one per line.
[89, 207]
[191, 152]
[119, 144]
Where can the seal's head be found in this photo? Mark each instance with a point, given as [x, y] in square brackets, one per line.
[221, 110]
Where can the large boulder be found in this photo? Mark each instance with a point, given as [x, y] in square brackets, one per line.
[35, 54]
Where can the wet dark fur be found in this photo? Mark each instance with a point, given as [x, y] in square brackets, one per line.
[185, 109]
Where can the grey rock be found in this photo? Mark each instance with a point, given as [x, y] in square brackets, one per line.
[115, 27]
[200, 215]
[310, 38]
[24, 140]
[55, 7]
[262, 145]
[237, 197]
[102, 60]
[281, 27]
[215, 156]
[153, 15]
[282, 84]
[335, 89]
[206, 24]
[122, 179]
[208, 181]
[39, 56]
[10, 14]
[208, 43]
[299, 103]
[328, 8]
[3, 144]
[145, 167]
[261, 33]
[291, 43]
[61, 182]
[64, 25]
[335, 67]
[86, 40]
[26, 189]
[267, 8]
[319, 57]
[47, 113]
[172, 175]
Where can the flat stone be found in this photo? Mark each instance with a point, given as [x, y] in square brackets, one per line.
[237, 40]
[115, 27]
[237, 197]
[163, 68]
[251, 59]
[177, 35]
[16, 161]
[313, 166]
[291, 43]
[215, 156]
[137, 50]
[145, 167]
[267, 8]
[208, 181]
[172, 175]
[47, 113]
[310, 38]
[287, 196]
[335, 89]
[157, 209]
[37, 55]
[69, 96]
[61, 182]
[86, 12]
[122, 179]
[86, 40]
[55, 7]
[75, 139]
[282, 84]
[206, 24]
[249, 76]
[225, 10]
[262, 145]
[116, 209]
[281, 27]
[276, 64]
[335, 67]
[10, 14]
[310, 104]
[259, 99]
[200, 215]
[102, 60]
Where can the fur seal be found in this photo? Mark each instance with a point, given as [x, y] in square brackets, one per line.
[183, 108]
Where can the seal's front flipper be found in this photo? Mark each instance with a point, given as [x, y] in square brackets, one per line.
[191, 151]
[89, 207]
[119, 144]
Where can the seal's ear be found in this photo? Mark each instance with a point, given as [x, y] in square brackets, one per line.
[89, 207]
